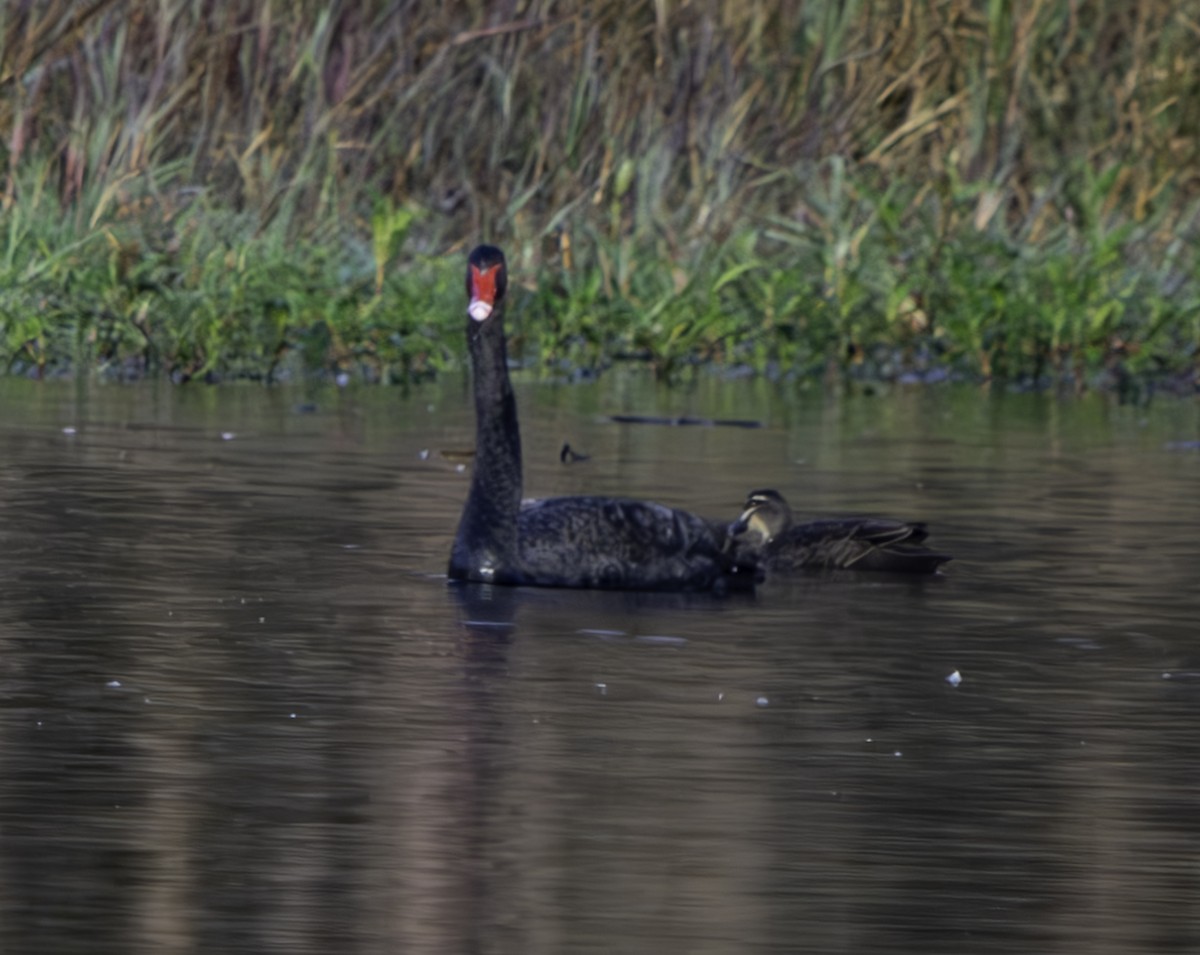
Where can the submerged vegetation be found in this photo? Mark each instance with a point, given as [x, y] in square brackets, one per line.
[911, 188]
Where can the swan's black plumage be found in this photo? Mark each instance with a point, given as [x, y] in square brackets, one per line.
[593, 542]
[767, 533]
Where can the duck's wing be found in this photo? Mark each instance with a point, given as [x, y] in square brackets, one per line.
[858, 544]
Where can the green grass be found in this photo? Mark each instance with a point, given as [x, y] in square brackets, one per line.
[877, 190]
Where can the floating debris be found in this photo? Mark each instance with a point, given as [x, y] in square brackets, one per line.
[227, 435]
[113, 684]
[569, 455]
[661, 640]
[68, 430]
[602, 689]
[762, 701]
[684, 420]
[954, 679]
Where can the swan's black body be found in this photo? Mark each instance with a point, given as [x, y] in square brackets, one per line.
[592, 542]
[766, 533]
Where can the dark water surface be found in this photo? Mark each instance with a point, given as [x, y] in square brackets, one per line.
[241, 711]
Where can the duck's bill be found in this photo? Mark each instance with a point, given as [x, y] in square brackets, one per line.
[479, 310]
[742, 524]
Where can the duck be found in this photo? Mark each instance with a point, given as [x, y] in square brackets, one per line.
[767, 534]
[588, 541]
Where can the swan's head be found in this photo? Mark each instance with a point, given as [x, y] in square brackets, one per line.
[487, 281]
[765, 516]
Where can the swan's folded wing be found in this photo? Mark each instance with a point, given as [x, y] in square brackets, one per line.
[618, 543]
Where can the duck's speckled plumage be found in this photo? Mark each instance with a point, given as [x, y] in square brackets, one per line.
[767, 534]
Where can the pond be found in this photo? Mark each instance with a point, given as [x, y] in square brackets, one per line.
[241, 709]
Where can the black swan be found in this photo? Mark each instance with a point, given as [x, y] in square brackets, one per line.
[591, 542]
[766, 532]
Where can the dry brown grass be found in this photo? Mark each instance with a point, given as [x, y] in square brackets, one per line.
[509, 119]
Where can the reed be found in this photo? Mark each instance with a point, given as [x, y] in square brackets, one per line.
[237, 188]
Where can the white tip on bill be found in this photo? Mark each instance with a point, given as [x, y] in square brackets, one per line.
[479, 310]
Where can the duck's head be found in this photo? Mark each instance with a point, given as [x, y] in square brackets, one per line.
[487, 281]
[765, 516]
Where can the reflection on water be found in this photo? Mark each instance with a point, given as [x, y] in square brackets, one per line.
[241, 711]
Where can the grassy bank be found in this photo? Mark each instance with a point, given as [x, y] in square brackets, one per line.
[906, 188]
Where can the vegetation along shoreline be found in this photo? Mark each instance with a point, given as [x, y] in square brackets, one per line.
[904, 191]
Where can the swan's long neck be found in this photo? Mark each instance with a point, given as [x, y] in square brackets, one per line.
[488, 529]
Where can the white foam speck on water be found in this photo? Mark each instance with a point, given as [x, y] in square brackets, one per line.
[954, 679]
[227, 435]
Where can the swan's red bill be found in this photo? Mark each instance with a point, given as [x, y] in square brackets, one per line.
[483, 292]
